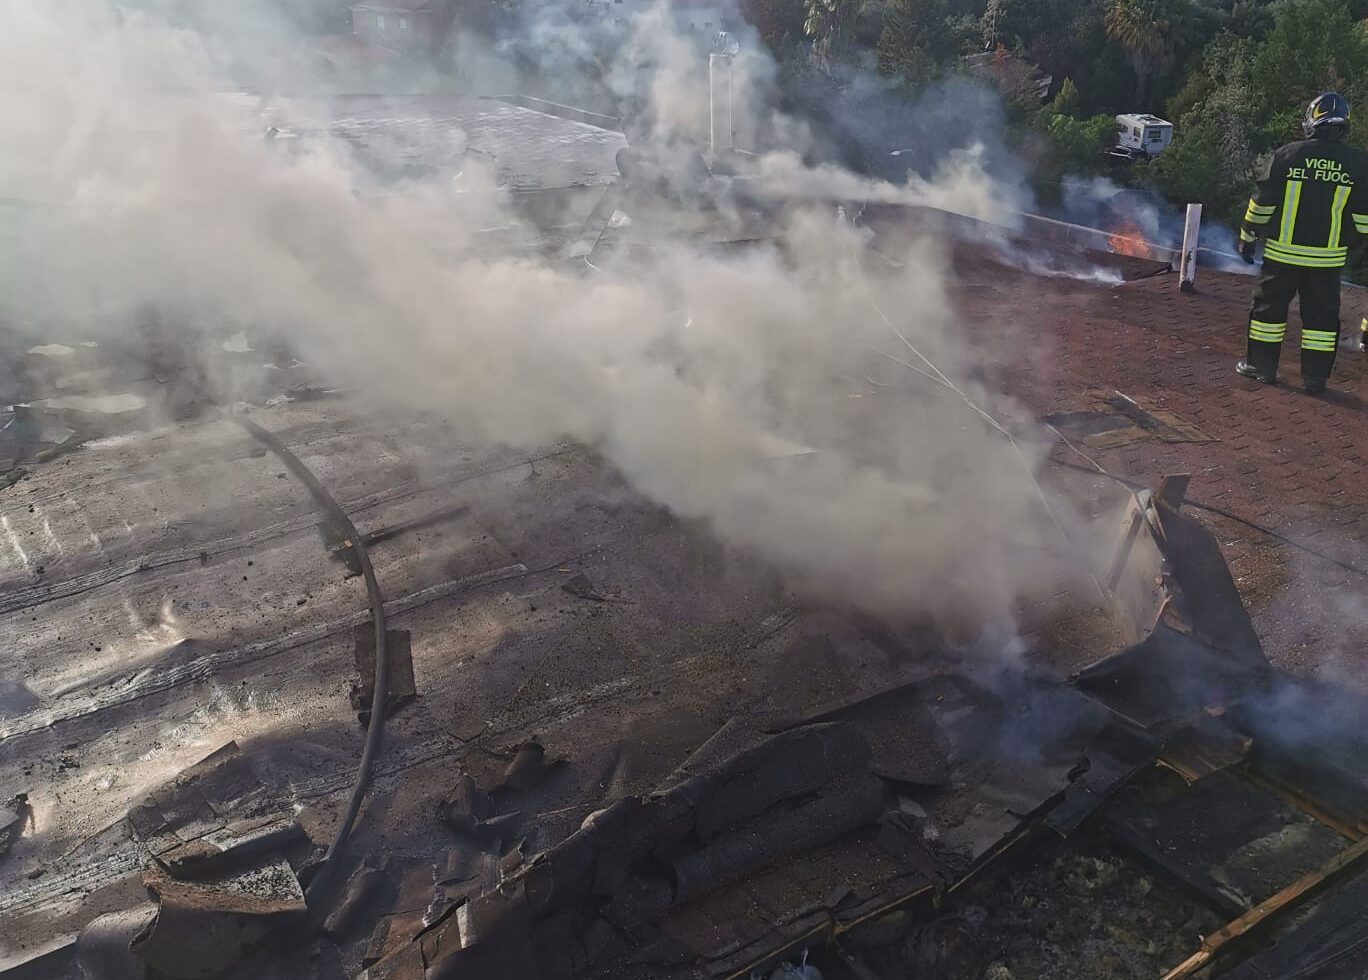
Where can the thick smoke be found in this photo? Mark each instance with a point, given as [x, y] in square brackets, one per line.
[706, 380]
[1097, 202]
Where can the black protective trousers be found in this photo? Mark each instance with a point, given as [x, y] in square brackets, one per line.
[1319, 290]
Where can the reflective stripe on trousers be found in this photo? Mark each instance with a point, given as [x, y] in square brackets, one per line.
[1321, 340]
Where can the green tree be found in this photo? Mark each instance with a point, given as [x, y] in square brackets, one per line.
[1020, 23]
[1073, 146]
[1068, 39]
[992, 25]
[778, 22]
[1066, 102]
[918, 36]
[869, 23]
[1219, 132]
[1147, 31]
[1188, 171]
[1250, 18]
[831, 25]
[1315, 45]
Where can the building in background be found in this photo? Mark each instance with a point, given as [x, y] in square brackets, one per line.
[700, 18]
[400, 25]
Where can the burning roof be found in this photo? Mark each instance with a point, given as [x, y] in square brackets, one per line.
[722, 593]
[645, 754]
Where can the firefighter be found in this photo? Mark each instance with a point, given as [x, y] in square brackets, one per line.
[1309, 197]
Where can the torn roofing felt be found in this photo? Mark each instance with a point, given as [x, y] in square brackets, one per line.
[1194, 648]
[794, 836]
[1196, 675]
[946, 784]
[686, 875]
[211, 814]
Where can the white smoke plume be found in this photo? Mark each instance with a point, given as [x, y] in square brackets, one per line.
[960, 185]
[144, 154]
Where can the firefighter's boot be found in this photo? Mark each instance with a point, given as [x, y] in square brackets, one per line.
[1245, 369]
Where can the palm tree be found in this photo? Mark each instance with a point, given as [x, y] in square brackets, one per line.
[830, 24]
[992, 23]
[1145, 29]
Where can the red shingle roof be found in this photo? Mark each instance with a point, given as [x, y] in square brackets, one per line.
[1284, 461]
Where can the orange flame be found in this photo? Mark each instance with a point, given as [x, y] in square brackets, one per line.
[1128, 239]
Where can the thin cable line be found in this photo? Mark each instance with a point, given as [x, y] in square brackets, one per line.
[939, 376]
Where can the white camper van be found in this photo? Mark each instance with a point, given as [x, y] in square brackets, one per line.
[1142, 135]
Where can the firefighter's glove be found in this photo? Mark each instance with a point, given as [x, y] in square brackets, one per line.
[1247, 251]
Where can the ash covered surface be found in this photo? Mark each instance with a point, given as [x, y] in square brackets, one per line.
[186, 600]
[737, 630]
[1063, 911]
[173, 593]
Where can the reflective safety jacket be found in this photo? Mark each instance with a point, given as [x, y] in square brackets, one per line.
[1310, 194]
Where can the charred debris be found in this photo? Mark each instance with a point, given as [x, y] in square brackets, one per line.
[1174, 806]
[1159, 798]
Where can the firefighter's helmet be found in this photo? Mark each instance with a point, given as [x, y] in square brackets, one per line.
[1326, 109]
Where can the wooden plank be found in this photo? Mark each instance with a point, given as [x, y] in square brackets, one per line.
[1195, 755]
[1251, 920]
[1133, 523]
[1180, 429]
[1115, 438]
[1171, 491]
[1156, 421]
[1332, 940]
[1351, 828]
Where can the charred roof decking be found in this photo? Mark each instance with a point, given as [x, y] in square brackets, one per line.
[626, 690]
